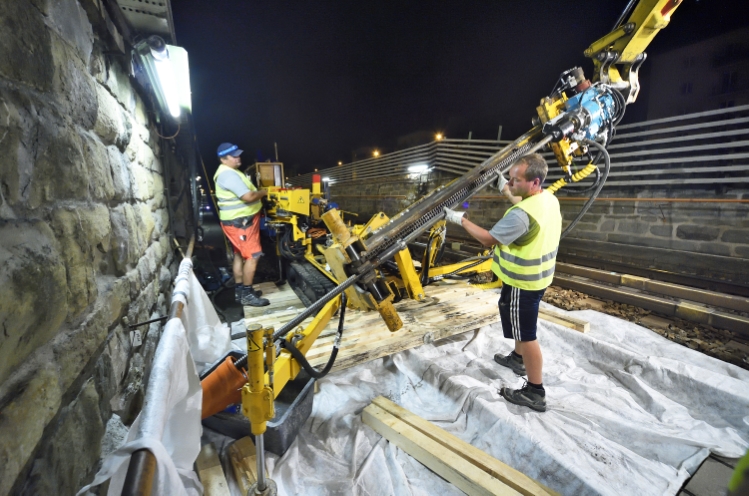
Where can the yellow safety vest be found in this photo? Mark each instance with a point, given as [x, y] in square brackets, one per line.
[229, 205]
[531, 266]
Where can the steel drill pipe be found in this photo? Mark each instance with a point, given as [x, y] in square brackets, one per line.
[430, 209]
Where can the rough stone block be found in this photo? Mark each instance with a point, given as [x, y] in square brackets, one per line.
[15, 145]
[654, 242]
[142, 182]
[23, 422]
[587, 235]
[741, 251]
[112, 124]
[80, 231]
[56, 471]
[735, 236]
[145, 219]
[22, 32]
[126, 237]
[586, 226]
[60, 171]
[33, 297]
[697, 232]
[633, 226]
[70, 21]
[608, 226]
[73, 85]
[118, 82]
[75, 349]
[716, 249]
[100, 183]
[665, 230]
[120, 171]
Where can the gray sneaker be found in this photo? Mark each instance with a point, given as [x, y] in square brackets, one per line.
[526, 396]
[249, 299]
[512, 362]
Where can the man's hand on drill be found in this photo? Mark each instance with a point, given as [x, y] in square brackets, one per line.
[453, 216]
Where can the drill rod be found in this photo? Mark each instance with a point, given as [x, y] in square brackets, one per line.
[260, 458]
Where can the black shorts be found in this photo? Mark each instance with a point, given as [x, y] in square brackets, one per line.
[518, 310]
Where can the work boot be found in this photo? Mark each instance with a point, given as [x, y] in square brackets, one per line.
[239, 291]
[526, 396]
[511, 361]
[249, 298]
[256, 292]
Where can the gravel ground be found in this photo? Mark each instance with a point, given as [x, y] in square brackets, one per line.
[722, 344]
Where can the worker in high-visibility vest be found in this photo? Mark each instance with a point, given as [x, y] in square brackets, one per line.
[239, 204]
[526, 241]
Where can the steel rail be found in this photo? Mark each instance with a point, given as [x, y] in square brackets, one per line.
[142, 468]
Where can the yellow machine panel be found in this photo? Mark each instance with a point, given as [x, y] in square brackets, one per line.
[294, 201]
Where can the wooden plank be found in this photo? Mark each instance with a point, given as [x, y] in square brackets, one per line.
[374, 351]
[444, 462]
[210, 472]
[579, 325]
[508, 475]
[244, 462]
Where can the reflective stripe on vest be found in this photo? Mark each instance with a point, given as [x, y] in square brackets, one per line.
[531, 266]
[230, 206]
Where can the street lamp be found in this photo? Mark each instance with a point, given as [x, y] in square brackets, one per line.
[376, 153]
[340, 163]
[438, 136]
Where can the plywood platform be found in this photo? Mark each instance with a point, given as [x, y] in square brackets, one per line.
[450, 308]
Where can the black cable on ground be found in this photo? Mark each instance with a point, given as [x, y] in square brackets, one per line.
[299, 357]
[595, 194]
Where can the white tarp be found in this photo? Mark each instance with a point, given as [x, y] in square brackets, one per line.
[169, 425]
[629, 412]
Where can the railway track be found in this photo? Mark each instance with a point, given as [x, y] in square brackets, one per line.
[677, 307]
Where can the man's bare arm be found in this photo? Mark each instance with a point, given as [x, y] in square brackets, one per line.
[253, 196]
[481, 234]
[513, 199]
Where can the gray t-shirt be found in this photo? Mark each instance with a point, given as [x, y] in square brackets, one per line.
[232, 182]
[515, 227]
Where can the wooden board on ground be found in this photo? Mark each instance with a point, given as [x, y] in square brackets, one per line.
[450, 308]
[467, 467]
[579, 325]
[210, 472]
[244, 462]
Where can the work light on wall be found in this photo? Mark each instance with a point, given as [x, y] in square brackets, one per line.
[165, 70]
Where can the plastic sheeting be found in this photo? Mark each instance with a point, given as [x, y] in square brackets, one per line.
[169, 425]
[629, 412]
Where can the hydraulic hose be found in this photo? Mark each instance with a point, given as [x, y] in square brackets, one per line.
[299, 357]
[589, 203]
[470, 266]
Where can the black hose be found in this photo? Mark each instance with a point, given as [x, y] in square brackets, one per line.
[299, 357]
[624, 14]
[425, 266]
[446, 276]
[595, 194]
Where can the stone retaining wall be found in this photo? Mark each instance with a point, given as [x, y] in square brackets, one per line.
[645, 228]
[84, 245]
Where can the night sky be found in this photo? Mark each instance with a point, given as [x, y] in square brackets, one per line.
[331, 81]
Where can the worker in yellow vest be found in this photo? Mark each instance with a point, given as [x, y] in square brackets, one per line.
[526, 240]
[239, 205]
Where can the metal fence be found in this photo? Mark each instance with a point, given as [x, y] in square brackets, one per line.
[705, 148]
